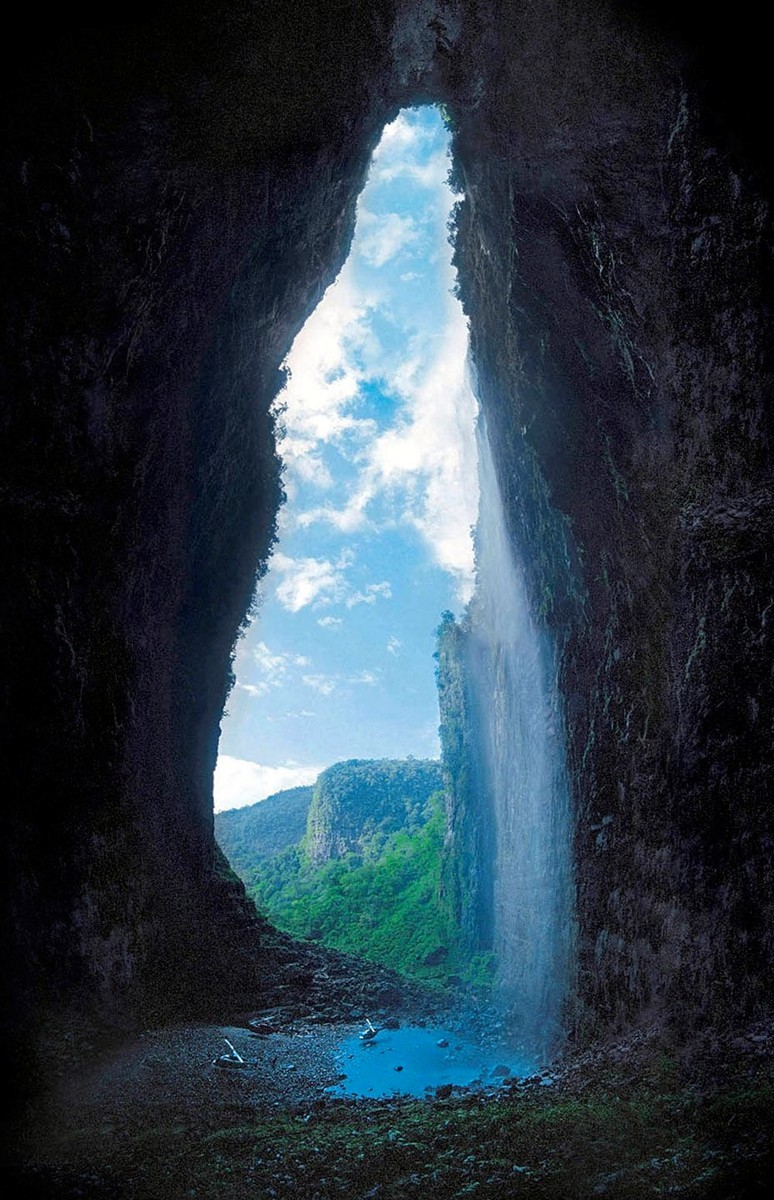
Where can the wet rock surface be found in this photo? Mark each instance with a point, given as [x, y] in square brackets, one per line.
[633, 451]
[154, 1116]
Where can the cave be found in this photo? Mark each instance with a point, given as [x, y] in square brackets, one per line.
[180, 189]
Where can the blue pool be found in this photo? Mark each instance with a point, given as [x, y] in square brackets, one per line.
[417, 1059]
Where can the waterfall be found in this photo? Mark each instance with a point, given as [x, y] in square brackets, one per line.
[519, 730]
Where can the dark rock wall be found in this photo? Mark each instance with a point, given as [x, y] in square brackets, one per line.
[615, 263]
[179, 190]
[178, 198]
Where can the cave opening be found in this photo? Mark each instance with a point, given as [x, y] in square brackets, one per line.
[332, 724]
[180, 186]
[353, 834]
[376, 435]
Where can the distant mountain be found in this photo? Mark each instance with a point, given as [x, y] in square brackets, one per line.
[259, 831]
[357, 801]
[357, 863]
[349, 804]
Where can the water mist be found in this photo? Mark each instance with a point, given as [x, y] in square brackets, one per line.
[519, 732]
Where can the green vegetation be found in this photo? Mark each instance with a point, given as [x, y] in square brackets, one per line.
[358, 804]
[382, 904]
[466, 846]
[366, 874]
[262, 830]
[447, 117]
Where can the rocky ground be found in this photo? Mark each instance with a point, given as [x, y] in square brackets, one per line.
[155, 1118]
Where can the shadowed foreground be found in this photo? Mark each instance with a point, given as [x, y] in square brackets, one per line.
[156, 1118]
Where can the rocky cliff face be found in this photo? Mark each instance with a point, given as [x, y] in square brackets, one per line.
[614, 261]
[356, 801]
[179, 190]
[176, 207]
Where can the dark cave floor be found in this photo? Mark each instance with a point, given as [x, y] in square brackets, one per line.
[153, 1118]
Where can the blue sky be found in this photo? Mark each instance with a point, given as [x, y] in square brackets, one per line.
[380, 475]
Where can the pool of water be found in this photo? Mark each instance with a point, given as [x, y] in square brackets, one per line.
[416, 1059]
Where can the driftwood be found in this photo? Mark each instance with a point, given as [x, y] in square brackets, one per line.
[232, 1059]
[370, 1033]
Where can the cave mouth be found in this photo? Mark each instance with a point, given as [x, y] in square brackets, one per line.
[336, 679]
[387, 471]
[376, 436]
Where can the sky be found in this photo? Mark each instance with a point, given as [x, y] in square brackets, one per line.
[380, 472]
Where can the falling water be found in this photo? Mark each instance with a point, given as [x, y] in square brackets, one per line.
[520, 729]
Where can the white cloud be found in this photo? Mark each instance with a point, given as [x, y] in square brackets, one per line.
[430, 174]
[275, 665]
[428, 462]
[300, 582]
[424, 466]
[365, 677]
[324, 684]
[307, 465]
[350, 519]
[397, 138]
[384, 235]
[369, 596]
[305, 581]
[238, 781]
[254, 689]
[402, 151]
[275, 669]
[421, 473]
[338, 351]
[319, 400]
